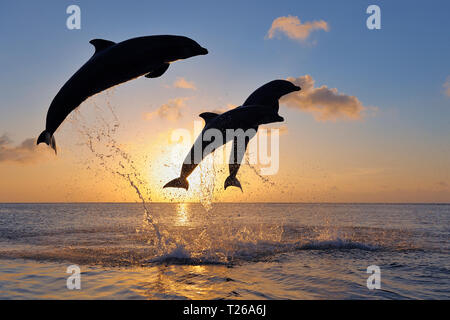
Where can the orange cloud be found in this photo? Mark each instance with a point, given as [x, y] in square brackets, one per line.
[294, 29]
[25, 152]
[170, 111]
[446, 86]
[184, 84]
[325, 103]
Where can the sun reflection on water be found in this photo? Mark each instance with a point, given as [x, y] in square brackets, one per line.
[182, 218]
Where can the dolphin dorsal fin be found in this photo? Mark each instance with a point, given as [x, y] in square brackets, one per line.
[101, 44]
[208, 116]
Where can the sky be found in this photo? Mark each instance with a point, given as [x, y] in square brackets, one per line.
[371, 123]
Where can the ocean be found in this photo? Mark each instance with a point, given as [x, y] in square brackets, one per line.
[227, 251]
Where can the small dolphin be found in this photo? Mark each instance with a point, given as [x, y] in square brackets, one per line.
[248, 117]
[112, 64]
[268, 96]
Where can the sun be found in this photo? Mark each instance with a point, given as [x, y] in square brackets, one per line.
[166, 165]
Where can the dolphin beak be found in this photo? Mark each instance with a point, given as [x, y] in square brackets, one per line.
[203, 51]
[297, 88]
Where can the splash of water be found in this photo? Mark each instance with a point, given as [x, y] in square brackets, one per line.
[99, 137]
[217, 243]
[256, 170]
[207, 181]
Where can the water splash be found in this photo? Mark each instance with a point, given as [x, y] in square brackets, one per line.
[99, 137]
[207, 181]
[210, 243]
[256, 170]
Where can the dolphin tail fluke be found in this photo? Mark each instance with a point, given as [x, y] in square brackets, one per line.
[48, 139]
[177, 183]
[232, 181]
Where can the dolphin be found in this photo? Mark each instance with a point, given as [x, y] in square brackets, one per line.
[267, 96]
[112, 64]
[248, 117]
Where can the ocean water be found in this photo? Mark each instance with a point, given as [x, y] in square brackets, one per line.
[231, 251]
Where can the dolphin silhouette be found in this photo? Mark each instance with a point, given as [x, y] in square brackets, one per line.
[267, 95]
[112, 64]
[248, 117]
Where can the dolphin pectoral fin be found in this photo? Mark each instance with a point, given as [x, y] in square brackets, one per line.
[101, 44]
[208, 116]
[48, 139]
[232, 181]
[177, 183]
[159, 71]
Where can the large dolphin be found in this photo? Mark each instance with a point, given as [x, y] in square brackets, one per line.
[112, 64]
[268, 96]
[238, 118]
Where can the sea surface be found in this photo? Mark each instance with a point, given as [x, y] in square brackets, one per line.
[230, 251]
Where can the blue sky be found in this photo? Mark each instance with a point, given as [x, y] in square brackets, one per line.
[402, 66]
[400, 69]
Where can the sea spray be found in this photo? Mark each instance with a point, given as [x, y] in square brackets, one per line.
[209, 242]
[207, 181]
[256, 170]
[99, 137]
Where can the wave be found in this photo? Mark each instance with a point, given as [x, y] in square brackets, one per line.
[250, 252]
[241, 252]
[338, 244]
[181, 256]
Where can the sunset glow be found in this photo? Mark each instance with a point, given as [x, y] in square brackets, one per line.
[351, 135]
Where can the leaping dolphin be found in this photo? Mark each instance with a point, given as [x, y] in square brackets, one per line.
[238, 118]
[268, 96]
[112, 64]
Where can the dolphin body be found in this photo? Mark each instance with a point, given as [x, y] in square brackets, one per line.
[267, 96]
[245, 117]
[112, 64]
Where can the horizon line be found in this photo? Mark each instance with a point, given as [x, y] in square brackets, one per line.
[226, 202]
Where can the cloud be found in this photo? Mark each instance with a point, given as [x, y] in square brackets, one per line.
[25, 152]
[184, 84]
[446, 86]
[170, 111]
[292, 27]
[325, 103]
